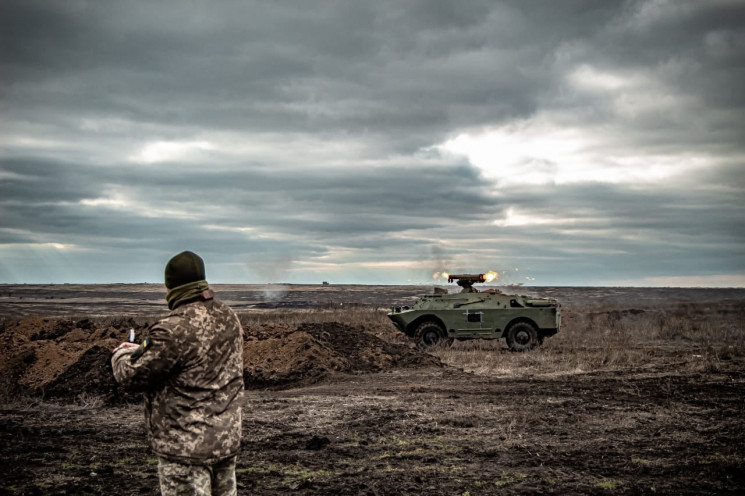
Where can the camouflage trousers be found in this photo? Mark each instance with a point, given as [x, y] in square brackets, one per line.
[197, 480]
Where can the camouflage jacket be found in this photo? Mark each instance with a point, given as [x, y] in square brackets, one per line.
[191, 373]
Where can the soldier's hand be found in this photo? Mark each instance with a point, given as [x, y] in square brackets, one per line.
[125, 345]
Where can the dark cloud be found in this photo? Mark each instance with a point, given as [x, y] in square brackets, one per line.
[310, 141]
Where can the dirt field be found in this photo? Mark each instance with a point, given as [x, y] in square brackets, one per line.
[641, 392]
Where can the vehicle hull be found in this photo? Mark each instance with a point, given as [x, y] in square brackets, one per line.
[479, 315]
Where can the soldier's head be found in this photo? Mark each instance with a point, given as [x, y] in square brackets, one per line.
[184, 268]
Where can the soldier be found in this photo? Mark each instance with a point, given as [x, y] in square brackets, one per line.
[190, 369]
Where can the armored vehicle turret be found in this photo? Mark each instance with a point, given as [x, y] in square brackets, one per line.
[439, 318]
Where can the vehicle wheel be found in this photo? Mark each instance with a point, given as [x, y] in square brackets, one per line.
[522, 337]
[428, 335]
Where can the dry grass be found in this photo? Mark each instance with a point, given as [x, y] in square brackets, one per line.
[352, 315]
[369, 319]
[694, 337]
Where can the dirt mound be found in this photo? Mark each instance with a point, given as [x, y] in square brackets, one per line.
[289, 360]
[89, 374]
[365, 351]
[68, 358]
[279, 355]
[35, 353]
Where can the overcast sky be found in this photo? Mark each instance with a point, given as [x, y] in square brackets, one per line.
[555, 142]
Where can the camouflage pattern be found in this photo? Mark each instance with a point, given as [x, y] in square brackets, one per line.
[191, 374]
[177, 479]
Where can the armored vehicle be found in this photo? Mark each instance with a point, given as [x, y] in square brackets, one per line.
[441, 317]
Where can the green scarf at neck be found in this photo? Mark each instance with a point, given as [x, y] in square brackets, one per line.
[185, 293]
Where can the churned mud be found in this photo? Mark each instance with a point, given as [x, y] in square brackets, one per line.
[340, 408]
[421, 431]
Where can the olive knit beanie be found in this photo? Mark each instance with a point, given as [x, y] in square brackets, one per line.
[184, 268]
